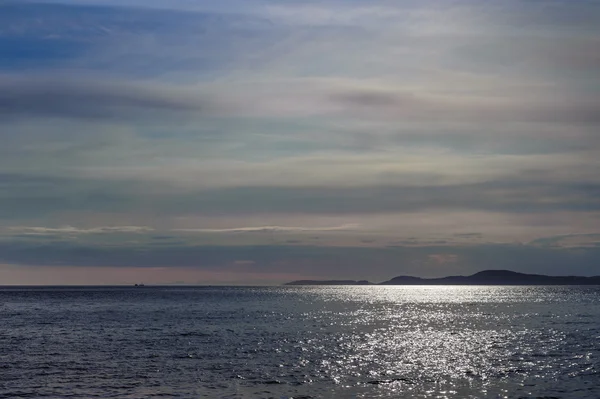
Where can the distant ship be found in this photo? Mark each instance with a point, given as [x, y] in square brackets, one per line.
[139, 285]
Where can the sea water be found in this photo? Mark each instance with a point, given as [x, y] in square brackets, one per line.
[300, 342]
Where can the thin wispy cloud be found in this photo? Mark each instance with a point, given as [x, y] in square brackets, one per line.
[75, 230]
[272, 229]
[70, 97]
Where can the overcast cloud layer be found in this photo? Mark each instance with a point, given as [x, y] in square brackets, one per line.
[259, 141]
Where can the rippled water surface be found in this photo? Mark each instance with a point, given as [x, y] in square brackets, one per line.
[300, 342]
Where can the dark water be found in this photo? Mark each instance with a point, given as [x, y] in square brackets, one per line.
[337, 342]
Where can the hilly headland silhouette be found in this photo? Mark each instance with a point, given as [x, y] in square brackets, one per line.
[486, 277]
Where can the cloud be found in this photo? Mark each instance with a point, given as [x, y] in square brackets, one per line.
[469, 235]
[273, 84]
[443, 259]
[272, 229]
[574, 240]
[91, 99]
[74, 230]
[500, 195]
[468, 108]
[521, 194]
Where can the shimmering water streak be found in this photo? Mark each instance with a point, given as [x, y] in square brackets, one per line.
[306, 342]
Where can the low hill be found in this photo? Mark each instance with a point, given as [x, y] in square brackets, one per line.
[486, 277]
[496, 277]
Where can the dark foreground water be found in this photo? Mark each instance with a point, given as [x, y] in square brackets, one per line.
[300, 342]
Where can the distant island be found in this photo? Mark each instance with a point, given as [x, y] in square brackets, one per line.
[486, 277]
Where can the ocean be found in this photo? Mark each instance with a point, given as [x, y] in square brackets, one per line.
[300, 342]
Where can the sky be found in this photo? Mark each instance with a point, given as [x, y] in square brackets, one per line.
[263, 141]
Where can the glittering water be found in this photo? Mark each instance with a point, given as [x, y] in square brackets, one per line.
[301, 342]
